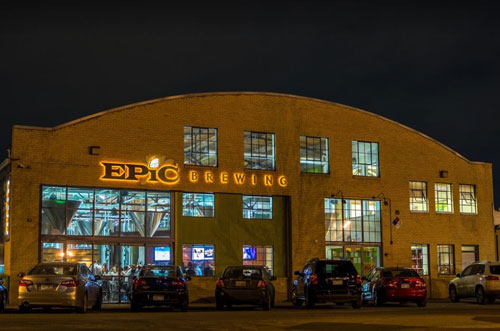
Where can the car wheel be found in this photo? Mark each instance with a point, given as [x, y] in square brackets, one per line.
[98, 303]
[422, 303]
[453, 295]
[84, 305]
[24, 309]
[266, 305]
[295, 298]
[356, 304]
[480, 297]
[377, 300]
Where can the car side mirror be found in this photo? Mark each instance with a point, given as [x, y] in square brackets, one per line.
[271, 278]
[297, 273]
[20, 275]
[458, 275]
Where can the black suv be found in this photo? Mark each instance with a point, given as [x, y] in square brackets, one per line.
[323, 281]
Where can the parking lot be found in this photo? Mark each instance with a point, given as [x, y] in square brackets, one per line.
[442, 315]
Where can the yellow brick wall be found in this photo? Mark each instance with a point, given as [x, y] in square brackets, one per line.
[132, 133]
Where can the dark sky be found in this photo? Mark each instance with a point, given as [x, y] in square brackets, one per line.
[432, 66]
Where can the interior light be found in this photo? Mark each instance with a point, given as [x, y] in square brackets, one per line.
[347, 224]
[154, 163]
[70, 254]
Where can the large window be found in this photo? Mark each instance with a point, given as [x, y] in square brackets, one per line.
[73, 211]
[444, 198]
[314, 155]
[363, 258]
[420, 258]
[259, 150]
[200, 146]
[470, 254]
[365, 159]
[352, 221]
[258, 255]
[418, 196]
[446, 259]
[198, 205]
[258, 207]
[468, 204]
[199, 260]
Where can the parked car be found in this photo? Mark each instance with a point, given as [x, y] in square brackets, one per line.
[480, 280]
[3, 296]
[395, 285]
[322, 281]
[245, 285]
[160, 285]
[59, 284]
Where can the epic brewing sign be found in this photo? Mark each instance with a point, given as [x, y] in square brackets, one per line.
[170, 174]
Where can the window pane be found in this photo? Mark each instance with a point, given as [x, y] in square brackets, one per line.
[446, 259]
[258, 255]
[199, 260]
[107, 199]
[333, 220]
[334, 252]
[314, 155]
[133, 224]
[468, 204]
[418, 196]
[106, 223]
[81, 253]
[420, 259]
[444, 198]
[52, 251]
[159, 255]
[200, 146]
[365, 159]
[259, 207]
[198, 205]
[133, 200]
[259, 150]
[371, 259]
[79, 222]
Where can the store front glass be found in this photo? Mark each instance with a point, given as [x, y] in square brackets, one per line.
[199, 260]
[364, 258]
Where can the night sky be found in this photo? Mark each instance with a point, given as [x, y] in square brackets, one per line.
[433, 67]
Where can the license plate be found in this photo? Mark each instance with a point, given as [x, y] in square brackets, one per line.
[338, 282]
[405, 285]
[157, 297]
[45, 287]
[240, 283]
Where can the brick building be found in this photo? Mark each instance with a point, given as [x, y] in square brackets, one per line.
[216, 179]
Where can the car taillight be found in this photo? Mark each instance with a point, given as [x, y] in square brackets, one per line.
[418, 282]
[314, 279]
[358, 279]
[492, 278]
[391, 282]
[261, 284]
[70, 283]
[140, 282]
[178, 283]
[220, 283]
[25, 282]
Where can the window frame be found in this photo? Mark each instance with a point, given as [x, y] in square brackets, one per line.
[425, 194]
[191, 260]
[261, 211]
[216, 165]
[265, 256]
[327, 144]
[449, 198]
[365, 164]
[273, 140]
[451, 256]
[198, 193]
[425, 258]
[461, 205]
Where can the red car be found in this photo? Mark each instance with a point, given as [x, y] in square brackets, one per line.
[394, 285]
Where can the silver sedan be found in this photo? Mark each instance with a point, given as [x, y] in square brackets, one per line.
[59, 284]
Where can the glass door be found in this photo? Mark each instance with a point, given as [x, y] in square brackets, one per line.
[353, 253]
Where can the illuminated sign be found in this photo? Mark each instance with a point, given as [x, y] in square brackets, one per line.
[6, 208]
[169, 173]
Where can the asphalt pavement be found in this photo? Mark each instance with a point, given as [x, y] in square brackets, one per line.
[437, 315]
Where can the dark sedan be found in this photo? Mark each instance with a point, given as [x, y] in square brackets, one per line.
[157, 285]
[396, 285]
[245, 285]
[3, 296]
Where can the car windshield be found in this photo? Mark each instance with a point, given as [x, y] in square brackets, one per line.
[335, 268]
[166, 271]
[400, 273]
[495, 269]
[67, 270]
[243, 273]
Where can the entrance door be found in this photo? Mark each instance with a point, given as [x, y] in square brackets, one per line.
[353, 253]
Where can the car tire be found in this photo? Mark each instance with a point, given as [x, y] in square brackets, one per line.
[82, 309]
[134, 306]
[480, 296]
[24, 309]
[3, 303]
[184, 307]
[98, 303]
[377, 300]
[266, 305]
[422, 303]
[356, 304]
[453, 295]
[294, 297]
